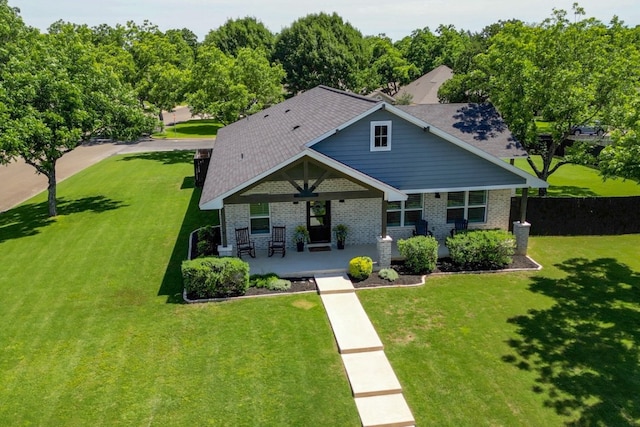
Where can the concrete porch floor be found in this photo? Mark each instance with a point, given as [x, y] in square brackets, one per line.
[307, 264]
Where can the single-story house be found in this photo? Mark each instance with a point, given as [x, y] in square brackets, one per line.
[328, 157]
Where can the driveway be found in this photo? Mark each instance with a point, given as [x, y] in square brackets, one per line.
[19, 181]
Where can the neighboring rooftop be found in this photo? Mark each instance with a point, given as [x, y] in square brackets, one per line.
[424, 90]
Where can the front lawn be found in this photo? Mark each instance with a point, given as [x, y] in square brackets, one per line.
[556, 347]
[93, 331]
[581, 181]
[205, 128]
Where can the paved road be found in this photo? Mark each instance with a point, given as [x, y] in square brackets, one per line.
[19, 181]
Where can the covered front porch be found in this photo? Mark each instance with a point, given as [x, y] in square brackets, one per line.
[306, 264]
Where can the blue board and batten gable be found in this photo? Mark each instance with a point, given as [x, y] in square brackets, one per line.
[417, 160]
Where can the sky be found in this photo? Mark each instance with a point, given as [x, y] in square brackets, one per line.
[395, 18]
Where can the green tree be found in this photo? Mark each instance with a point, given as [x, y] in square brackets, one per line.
[566, 73]
[153, 51]
[389, 69]
[225, 88]
[421, 49]
[236, 34]
[322, 49]
[56, 94]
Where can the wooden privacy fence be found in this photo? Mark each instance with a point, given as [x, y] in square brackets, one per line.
[201, 160]
[579, 216]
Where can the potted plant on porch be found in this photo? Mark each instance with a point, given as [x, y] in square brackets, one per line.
[300, 236]
[341, 231]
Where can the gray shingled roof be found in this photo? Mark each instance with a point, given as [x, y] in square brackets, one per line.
[260, 142]
[257, 144]
[477, 124]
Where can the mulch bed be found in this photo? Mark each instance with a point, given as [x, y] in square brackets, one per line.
[405, 278]
[297, 285]
[444, 265]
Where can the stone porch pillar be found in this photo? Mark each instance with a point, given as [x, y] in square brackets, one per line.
[521, 233]
[384, 251]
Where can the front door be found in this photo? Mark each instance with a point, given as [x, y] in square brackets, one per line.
[319, 221]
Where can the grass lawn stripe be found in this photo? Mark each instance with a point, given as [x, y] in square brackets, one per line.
[90, 333]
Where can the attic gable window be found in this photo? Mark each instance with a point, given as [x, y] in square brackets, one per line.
[381, 136]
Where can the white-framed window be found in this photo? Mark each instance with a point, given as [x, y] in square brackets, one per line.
[381, 135]
[260, 218]
[405, 214]
[471, 205]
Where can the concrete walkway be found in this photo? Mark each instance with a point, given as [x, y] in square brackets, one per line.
[19, 181]
[376, 389]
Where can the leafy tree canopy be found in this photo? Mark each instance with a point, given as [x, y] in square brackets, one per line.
[389, 69]
[56, 94]
[322, 49]
[236, 34]
[566, 73]
[226, 88]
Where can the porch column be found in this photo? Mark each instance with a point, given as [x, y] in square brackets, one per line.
[384, 251]
[384, 241]
[383, 231]
[522, 228]
[523, 204]
[224, 249]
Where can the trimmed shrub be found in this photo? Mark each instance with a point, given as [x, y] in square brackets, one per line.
[280, 285]
[207, 241]
[388, 274]
[360, 267]
[420, 253]
[269, 281]
[215, 277]
[482, 249]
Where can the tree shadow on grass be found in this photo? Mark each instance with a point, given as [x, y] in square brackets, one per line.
[27, 220]
[585, 348]
[164, 157]
[194, 218]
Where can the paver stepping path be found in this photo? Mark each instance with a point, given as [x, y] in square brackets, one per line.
[376, 389]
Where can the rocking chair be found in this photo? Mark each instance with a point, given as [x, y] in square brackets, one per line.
[277, 242]
[422, 228]
[244, 244]
[460, 225]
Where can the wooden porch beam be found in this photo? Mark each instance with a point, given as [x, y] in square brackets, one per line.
[523, 205]
[276, 198]
[324, 176]
[383, 230]
[291, 181]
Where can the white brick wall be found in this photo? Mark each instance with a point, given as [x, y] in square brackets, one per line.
[362, 216]
[435, 212]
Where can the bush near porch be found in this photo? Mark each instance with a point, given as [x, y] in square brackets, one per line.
[481, 249]
[215, 277]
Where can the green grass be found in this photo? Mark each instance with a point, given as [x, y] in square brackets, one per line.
[543, 127]
[581, 181]
[93, 331]
[555, 347]
[191, 129]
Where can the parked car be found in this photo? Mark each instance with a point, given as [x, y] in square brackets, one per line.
[590, 129]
